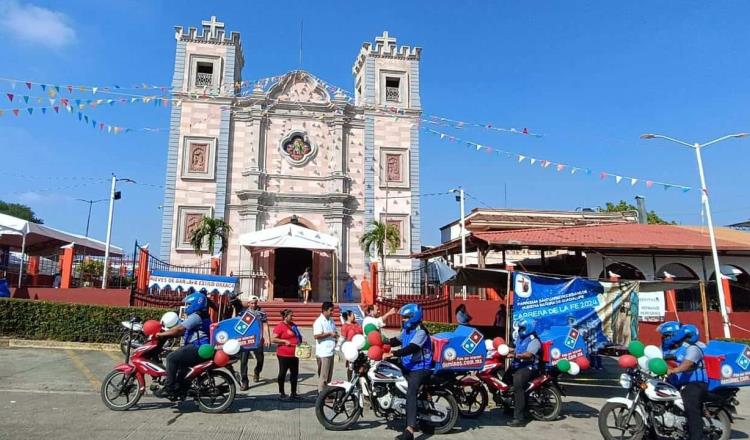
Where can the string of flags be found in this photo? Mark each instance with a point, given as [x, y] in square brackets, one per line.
[83, 103]
[558, 166]
[45, 87]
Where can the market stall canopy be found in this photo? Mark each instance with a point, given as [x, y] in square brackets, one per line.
[41, 239]
[185, 281]
[289, 236]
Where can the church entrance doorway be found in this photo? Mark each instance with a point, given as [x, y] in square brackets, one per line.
[289, 264]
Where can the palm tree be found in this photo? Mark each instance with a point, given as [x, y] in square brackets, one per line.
[208, 230]
[377, 236]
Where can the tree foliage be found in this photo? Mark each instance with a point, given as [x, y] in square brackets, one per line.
[652, 217]
[206, 234]
[379, 234]
[20, 211]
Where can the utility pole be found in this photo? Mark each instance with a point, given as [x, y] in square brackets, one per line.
[88, 219]
[460, 198]
[113, 195]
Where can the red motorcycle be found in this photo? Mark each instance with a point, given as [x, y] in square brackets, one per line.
[544, 394]
[213, 389]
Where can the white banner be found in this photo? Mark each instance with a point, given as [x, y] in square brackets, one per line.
[651, 306]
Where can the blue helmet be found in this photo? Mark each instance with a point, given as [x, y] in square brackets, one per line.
[412, 313]
[687, 333]
[667, 331]
[195, 302]
[526, 327]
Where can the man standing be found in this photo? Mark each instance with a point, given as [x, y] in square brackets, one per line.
[252, 305]
[325, 334]
[372, 316]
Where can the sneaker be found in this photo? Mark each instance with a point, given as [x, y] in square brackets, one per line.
[283, 397]
[162, 393]
[256, 378]
[516, 423]
[406, 435]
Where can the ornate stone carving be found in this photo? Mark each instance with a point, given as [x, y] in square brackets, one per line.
[299, 87]
[198, 158]
[297, 148]
[393, 167]
[192, 220]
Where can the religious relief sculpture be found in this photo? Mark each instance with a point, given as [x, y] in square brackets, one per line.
[198, 162]
[297, 148]
[192, 221]
[393, 170]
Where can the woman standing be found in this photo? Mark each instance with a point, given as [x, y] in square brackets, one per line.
[305, 285]
[348, 331]
[287, 336]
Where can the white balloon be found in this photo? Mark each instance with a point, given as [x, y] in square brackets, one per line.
[359, 341]
[652, 351]
[231, 347]
[574, 369]
[350, 351]
[503, 349]
[488, 344]
[170, 319]
[643, 363]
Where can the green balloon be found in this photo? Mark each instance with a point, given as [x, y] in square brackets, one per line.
[366, 346]
[563, 365]
[370, 328]
[636, 348]
[658, 366]
[206, 351]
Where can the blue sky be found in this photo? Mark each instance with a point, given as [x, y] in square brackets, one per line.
[591, 76]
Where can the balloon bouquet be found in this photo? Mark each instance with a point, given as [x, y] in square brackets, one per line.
[371, 342]
[498, 348]
[648, 358]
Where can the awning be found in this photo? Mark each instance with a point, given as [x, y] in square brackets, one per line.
[186, 281]
[41, 239]
[289, 236]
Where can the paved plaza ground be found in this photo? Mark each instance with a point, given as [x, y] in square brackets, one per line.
[50, 393]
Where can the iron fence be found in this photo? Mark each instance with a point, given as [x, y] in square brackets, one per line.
[88, 271]
[422, 281]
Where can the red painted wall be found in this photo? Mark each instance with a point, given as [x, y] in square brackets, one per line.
[83, 295]
[481, 312]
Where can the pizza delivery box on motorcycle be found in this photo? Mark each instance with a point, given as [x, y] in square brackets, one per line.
[245, 328]
[727, 364]
[562, 342]
[460, 350]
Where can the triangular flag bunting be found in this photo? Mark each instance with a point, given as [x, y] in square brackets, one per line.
[10, 96]
[101, 126]
[603, 175]
[43, 86]
[532, 161]
[560, 167]
[51, 101]
[30, 110]
[649, 184]
[26, 99]
[94, 89]
[573, 170]
[521, 158]
[633, 181]
[56, 108]
[28, 84]
[525, 131]
[479, 147]
[686, 189]
[618, 179]
[44, 110]
[70, 89]
[15, 111]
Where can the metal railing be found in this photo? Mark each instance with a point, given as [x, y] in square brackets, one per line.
[422, 281]
[392, 94]
[88, 271]
[204, 79]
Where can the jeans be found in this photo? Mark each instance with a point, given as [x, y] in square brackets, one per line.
[693, 395]
[290, 364]
[325, 372]
[415, 379]
[177, 365]
[245, 357]
[596, 361]
[521, 378]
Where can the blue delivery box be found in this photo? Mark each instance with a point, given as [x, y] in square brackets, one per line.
[246, 328]
[727, 364]
[460, 350]
[563, 342]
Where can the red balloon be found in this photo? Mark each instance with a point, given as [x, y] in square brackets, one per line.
[386, 348]
[375, 339]
[583, 362]
[221, 359]
[375, 353]
[627, 361]
[498, 341]
[151, 327]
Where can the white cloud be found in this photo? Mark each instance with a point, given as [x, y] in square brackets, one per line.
[35, 25]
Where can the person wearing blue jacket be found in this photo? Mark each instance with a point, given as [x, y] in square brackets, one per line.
[524, 367]
[416, 360]
[689, 376]
[195, 329]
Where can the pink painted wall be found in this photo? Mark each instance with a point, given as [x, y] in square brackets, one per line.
[83, 295]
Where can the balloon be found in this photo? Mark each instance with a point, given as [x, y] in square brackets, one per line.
[489, 344]
[498, 341]
[583, 362]
[574, 369]
[221, 359]
[563, 365]
[366, 346]
[643, 363]
[503, 349]
[652, 351]
[231, 347]
[151, 327]
[170, 319]
[386, 348]
[627, 361]
[206, 351]
[370, 328]
[350, 351]
[658, 366]
[375, 339]
[375, 353]
[636, 348]
[358, 341]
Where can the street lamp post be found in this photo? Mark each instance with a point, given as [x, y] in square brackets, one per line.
[704, 198]
[88, 219]
[460, 198]
[114, 195]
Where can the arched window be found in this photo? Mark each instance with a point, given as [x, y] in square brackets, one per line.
[739, 288]
[688, 299]
[625, 271]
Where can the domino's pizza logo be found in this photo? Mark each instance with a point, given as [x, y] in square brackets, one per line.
[449, 354]
[572, 338]
[245, 322]
[471, 343]
[744, 359]
[522, 286]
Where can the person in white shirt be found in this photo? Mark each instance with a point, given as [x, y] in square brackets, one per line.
[371, 316]
[325, 334]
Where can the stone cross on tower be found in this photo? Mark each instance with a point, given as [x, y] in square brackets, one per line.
[213, 25]
[385, 41]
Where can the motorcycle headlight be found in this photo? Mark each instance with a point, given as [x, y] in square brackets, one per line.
[626, 381]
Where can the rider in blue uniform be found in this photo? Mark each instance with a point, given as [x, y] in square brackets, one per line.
[195, 329]
[689, 376]
[524, 367]
[667, 331]
[416, 360]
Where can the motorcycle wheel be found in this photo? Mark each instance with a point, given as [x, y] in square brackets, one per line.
[545, 404]
[472, 399]
[442, 399]
[611, 419]
[332, 403]
[725, 423]
[215, 391]
[120, 391]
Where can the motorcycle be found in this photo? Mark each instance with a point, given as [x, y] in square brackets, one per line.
[544, 393]
[382, 385]
[654, 408]
[132, 333]
[213, 389]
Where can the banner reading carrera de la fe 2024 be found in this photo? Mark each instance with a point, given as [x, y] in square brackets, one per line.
[577, 315]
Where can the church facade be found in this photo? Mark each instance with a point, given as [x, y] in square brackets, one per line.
[291, 149]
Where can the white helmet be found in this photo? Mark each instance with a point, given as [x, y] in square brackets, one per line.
[170, 319]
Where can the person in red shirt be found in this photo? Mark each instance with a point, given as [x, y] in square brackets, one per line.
[348, 331]
[287, 336]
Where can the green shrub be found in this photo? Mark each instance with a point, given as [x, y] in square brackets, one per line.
[28, 319]
[439, 327]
